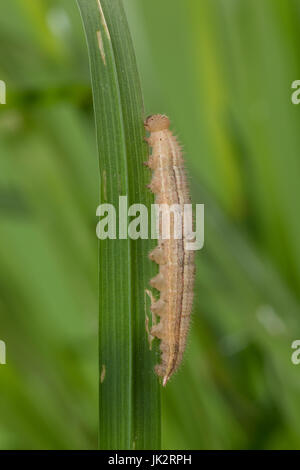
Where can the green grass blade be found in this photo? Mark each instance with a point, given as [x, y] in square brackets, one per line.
[129, 393]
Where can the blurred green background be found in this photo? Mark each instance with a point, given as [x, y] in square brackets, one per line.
[222, 70]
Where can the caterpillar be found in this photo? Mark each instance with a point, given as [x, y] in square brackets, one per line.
[175, 280]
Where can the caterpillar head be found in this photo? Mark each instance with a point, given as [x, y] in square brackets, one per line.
[157, 122]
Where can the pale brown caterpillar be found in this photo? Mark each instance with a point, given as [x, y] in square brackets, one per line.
[175, 279]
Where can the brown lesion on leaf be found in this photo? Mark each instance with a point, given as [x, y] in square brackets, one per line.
[101, 46]
[103, 20]
[148, 329]
[103, 373]
[104, 185]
